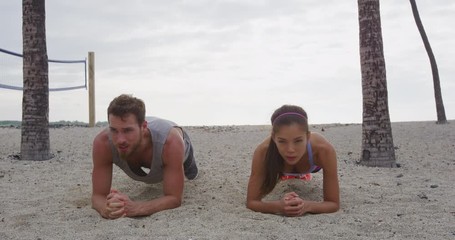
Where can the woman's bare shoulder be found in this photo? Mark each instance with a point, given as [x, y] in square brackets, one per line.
[263, 146]
[322, 148]
[319, 139]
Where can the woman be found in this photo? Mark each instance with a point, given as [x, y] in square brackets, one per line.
[292, 151]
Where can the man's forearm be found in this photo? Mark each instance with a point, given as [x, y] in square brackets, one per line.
[272, 207]
[147, 208]
[99, 204]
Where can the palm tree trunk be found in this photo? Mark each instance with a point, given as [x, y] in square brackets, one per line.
[434, 67]
[377, 140]
[35, 102]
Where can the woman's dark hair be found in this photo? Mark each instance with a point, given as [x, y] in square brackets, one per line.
[127, 104]
[274, 162]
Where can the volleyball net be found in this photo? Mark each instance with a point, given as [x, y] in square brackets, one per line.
[63, 75]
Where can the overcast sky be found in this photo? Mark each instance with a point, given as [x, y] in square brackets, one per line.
[225, 62]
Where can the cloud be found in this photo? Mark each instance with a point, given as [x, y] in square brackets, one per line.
[234, 61]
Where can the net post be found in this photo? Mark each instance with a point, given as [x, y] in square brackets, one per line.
[91, 88]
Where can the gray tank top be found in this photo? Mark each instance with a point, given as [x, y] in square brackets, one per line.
[159, 130]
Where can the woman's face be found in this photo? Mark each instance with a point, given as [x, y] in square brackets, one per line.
[291, 141]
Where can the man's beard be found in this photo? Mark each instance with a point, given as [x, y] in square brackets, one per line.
[132, 150]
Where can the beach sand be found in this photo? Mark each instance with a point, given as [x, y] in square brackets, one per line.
[51, 199]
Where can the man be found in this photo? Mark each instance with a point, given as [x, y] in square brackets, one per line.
[132, 144]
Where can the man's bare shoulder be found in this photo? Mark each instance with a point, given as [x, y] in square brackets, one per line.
[175, 137]
[101, 146]
[102, 137]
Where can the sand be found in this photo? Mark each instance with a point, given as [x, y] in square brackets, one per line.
[51, 199]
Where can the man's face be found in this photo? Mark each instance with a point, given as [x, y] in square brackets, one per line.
[126, 134]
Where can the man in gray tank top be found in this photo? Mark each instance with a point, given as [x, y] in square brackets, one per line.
[135, 143]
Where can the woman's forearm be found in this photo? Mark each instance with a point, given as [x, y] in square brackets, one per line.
[321, 207]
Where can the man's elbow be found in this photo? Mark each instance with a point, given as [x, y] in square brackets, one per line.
[178, 203]
[175, 202]
[335, 207]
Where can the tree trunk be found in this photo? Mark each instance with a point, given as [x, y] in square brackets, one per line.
[35, 102]
[377, 140]
[441, 113]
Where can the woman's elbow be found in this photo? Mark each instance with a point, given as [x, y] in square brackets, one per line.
[248, 205]
[252, 205]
